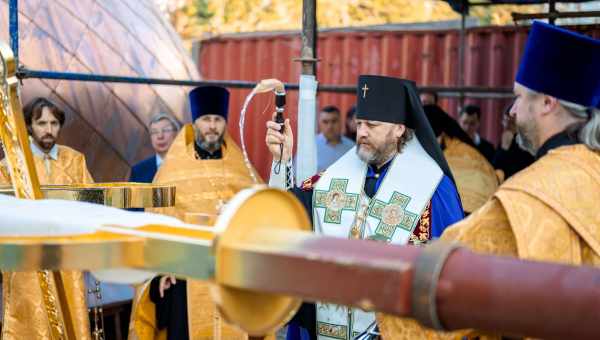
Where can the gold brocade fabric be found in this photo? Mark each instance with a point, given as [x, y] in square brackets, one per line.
[69, 168]
[201, 186]
[475, 177]
[143, 317]
[24, 293]
[552, 207]
[547, 212]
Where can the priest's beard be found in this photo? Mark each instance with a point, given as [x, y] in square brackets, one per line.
[527, 134]
[377, 154]
[209, 144]
[46, 143]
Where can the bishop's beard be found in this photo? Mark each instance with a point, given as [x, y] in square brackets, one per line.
[373, 155]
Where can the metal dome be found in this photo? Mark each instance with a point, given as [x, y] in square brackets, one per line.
[105, 121]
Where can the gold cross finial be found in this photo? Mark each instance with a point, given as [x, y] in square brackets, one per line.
[365, 89]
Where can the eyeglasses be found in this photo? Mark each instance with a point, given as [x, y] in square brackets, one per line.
[164, 131]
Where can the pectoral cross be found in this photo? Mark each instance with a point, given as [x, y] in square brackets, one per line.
[365, 89]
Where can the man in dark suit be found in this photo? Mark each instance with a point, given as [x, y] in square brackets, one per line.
[163, 130]
[469, 120]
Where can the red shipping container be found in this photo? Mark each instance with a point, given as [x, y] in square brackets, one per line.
[429, 57]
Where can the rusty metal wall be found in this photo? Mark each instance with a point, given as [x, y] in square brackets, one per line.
[430, 57]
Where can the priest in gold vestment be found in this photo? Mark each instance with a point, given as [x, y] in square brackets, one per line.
[549, 211]
[475, 177]
[208, 169]
[33, 307]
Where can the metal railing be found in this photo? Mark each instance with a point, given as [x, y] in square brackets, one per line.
[25, 73]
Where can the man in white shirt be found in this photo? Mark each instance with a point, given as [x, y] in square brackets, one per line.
[331, 145]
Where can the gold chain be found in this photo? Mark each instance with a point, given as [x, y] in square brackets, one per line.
[98, 332]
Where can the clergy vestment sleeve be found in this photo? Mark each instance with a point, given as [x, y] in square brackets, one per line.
[446, 208]
[305, 197]
[487, 231]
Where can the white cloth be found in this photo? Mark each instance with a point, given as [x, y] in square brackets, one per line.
[21, 217]
[306, 149]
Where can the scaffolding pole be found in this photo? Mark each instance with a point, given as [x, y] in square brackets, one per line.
[13, 27]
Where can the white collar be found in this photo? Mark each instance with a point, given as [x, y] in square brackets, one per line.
[35, 149]
[159, 161]
[477, 139]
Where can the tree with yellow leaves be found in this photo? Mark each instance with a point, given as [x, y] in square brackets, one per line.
[194, 18]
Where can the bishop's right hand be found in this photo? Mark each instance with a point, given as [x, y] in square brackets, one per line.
[275, 138]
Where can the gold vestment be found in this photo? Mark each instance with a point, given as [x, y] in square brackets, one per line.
[31, 300]
[69, 168]
[201, 186]
[475, 177]
[547, 212]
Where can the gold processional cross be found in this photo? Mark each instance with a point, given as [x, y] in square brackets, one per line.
[25, 184]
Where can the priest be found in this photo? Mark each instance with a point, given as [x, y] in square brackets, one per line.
[207, 168]
[28, 311]
[55, 163]
[548, 211]
[394, 186]
[475, 177]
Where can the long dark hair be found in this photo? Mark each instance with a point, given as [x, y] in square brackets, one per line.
[33, 110]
